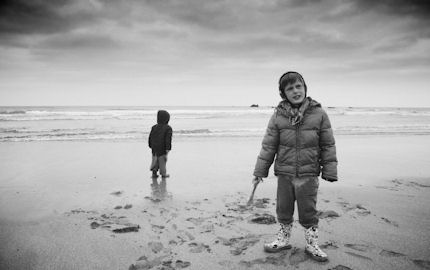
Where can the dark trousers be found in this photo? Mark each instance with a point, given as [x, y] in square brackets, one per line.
[303, 190]
[159, 163]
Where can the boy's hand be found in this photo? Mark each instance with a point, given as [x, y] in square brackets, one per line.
[257, 180]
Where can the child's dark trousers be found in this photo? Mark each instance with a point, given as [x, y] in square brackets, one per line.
[159, 163]
[303, 190]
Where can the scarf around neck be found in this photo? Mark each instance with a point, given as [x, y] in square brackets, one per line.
[295, 115]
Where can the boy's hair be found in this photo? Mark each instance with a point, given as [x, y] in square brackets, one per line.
[289, 78]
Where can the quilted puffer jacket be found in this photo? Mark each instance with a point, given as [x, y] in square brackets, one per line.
[305, 149]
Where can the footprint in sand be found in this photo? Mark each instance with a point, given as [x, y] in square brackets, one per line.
[261, 203]
[240, 244]
[413, 184]
[262, 219]
[329, 245]
[390, 222]
[155, 246]
[386, 187]
[117, 193]
[80, 211]
[230, 219]
[274, 260]
[197, 221]
[185, 234]
[340, 267]
[116, 224]
[132, 228]
[144, 263]
[181, 264]
[240, 208]
[162, 262]
[327, 214]
[207, 228]
[298, 256]
[198, 247]
[157, 228]
[94, 225]
[389, 253]
[227, 264]
[419, 185]
[422, 263]
[358, 255]
[357, 208]
[358, 247]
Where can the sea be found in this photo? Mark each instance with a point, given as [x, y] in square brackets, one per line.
[133, 123]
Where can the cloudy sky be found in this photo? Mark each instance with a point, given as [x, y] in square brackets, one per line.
[218, 52]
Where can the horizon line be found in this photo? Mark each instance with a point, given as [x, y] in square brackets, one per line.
[248, 106]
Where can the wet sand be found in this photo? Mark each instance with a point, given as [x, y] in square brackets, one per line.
[93, 205]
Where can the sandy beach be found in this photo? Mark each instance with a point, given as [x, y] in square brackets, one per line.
[93, 205]
[83, 86]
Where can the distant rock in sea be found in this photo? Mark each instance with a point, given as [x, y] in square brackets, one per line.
[254, 106]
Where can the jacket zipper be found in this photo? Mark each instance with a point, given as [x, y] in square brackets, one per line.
[297, 150]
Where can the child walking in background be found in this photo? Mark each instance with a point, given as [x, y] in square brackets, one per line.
[160, 141]
[299, 134]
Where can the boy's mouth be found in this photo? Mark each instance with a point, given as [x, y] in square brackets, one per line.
[297, 97]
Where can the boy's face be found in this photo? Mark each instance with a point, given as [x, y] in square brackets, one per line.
[295, 92]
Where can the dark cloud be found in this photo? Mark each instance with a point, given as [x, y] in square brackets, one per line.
[39, 16]
[78, 42]
[419, 8]
[218, 29]
[217, 14]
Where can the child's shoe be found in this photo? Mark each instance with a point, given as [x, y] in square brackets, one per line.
[165, 176]
[282, 241]
[312, 248]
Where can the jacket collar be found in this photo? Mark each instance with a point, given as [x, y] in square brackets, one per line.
[295, 115]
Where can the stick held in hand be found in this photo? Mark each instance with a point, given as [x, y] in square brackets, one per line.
[251, 198]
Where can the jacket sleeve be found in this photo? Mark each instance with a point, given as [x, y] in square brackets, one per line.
[328, 160]
[150, 138]
[268, 150]
[168, 138]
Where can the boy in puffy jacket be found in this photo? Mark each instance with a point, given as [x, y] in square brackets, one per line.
[160, 141]
[299, 135]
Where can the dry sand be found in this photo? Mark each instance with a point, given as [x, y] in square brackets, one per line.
[92, 205]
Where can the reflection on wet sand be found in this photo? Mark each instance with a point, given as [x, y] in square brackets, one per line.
[159, 189]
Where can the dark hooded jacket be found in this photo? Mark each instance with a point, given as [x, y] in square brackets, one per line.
[304, 149]
[160, 138]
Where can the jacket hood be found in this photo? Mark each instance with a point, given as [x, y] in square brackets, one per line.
[163, 117]
[291, 76]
